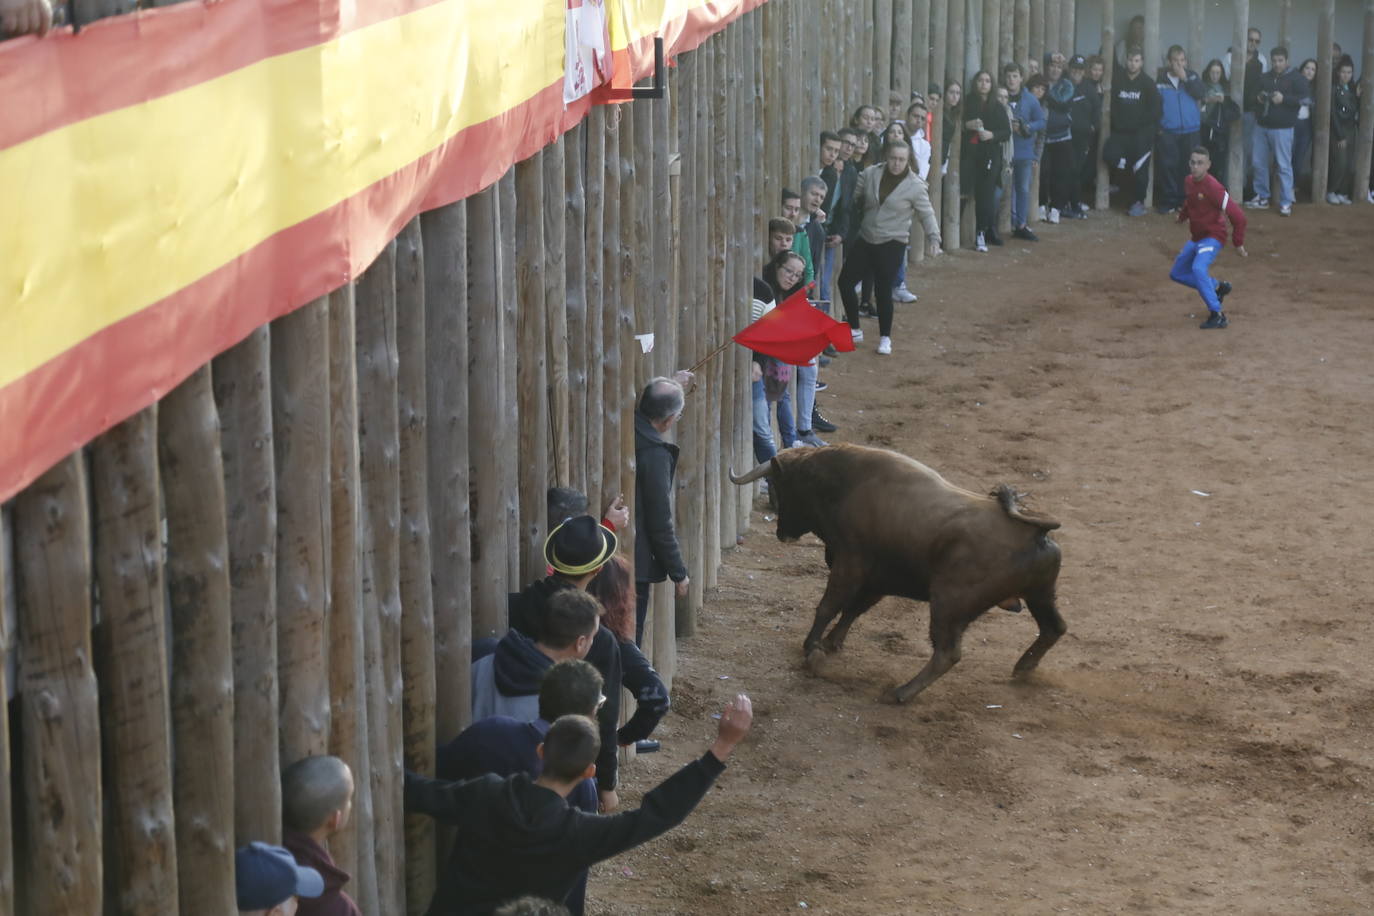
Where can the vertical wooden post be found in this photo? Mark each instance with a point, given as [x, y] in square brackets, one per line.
[353, 848]
[131, 656]
[992, 38]
[745, 233]
[1235, 174]
[954, 64]
[379, 448]
[1052, 28]
[1103, 200]
[417, 598]
[1197, 31]
[627, 301]
[881, 46]
[510, 400]
[1006, 32]
[58, 703]
[611, 406]
[242, 378]
[662, 212]
[531, 349]
[594, 196]
[939, 30]
[1364, 147]
[640, 251]
[902, 51]
[202, 701]
[1321, 112]
[691, 76]
[300, 419]
[869, 85]
[444, 233]
[1036, 42]
[1021, 36]
[1068, 27]
[556, 319]
[773, 110]
[6, 808]
[1154, 56]
[711, 433]
[575, 258]
[488, 350]
[921, 73]
[1285, 33]
[973, 36]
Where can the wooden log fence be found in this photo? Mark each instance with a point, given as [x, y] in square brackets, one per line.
[294, 550]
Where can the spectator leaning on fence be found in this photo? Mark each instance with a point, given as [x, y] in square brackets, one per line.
[1028, 120]
[316, 801]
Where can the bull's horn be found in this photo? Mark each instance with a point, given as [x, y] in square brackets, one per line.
[753, 475]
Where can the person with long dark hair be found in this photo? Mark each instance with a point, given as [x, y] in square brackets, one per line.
[1345, 118]
[614, 588]
[986, 128]
[1219, 112]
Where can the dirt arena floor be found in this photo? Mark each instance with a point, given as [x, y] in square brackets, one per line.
[1202, 740]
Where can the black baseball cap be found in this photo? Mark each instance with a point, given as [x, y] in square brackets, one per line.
[1078, 62]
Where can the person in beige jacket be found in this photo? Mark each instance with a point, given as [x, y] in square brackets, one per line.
[890, 195]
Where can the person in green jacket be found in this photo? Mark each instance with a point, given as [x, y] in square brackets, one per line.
[791, 211]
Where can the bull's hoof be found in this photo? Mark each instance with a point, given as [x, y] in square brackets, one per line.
[892, 695]
[815, 657]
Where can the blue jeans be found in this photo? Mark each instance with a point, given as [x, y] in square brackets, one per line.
[1020, 199]
[764, 449]
[806, 395]
[1278, 142]
[1193, 268]
[827, 274]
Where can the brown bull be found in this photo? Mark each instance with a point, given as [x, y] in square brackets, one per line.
[892, 526]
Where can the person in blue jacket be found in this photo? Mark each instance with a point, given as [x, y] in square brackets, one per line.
[1180, 121]
[1027, 120]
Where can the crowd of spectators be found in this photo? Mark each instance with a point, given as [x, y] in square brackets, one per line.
[532, 784]
[856, 212]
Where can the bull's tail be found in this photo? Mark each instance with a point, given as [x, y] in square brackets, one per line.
[1010, 501]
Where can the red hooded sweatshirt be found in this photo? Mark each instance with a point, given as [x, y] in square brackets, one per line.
[1207, 206]
[333, 902]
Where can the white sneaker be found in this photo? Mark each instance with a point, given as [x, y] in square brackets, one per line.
[1370, 198]
[979, 244]
[1083, 208]
[884, 346]
[1333, 198]
[1285, 210]
[1054, 216]
[857, 334]
[1043, 214]
[902, 294]
[1344, 199]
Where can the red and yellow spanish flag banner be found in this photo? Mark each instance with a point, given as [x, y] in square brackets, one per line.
[171, 179]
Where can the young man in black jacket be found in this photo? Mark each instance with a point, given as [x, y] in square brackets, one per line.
[1135, 110]
[1279, 97]
[519, 836]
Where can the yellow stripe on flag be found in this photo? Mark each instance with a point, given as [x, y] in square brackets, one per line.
[105, 217]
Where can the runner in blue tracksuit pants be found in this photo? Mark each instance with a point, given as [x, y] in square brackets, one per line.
[1207, 208]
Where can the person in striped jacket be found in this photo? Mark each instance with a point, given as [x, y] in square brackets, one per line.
[1207, 207]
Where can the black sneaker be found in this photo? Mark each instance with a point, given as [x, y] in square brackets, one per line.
[819, 422]
[1023, 232]
[992, 238]
[821, 386]
[647, 746]
[1214, 320]
[830, 351]
[1222, 289]
[866, 310]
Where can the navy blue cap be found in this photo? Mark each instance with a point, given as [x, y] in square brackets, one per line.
[266, 876]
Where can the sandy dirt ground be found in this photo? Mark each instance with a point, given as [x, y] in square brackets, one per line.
[1202, 741]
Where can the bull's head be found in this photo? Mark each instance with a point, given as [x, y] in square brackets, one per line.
[791, 521]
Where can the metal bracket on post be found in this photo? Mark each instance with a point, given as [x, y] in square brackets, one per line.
[609, 96]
